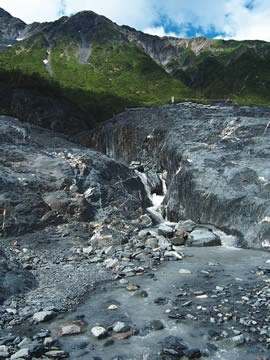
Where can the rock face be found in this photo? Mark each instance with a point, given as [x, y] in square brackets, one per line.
[10, 28]
[166, 49]
[56, 181]
[215, 158]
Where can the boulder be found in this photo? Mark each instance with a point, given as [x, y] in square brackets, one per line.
[203, 237]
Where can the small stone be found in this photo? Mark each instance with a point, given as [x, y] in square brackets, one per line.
[11, 311]
[165, 230]
[70, 330]
[161, 301]
[146, 220]
[99, 332]
[204, 296]
[123, 281]
[4, 352]
[193, 353]
[87, 250]
[238, 340]
[120, 327]
[179, 239]
[122, 336]
[164, 243]
[173, 254]
[132, 287]
[151, 243]
[21, 354]
[187, 303]
[155, 325]
[141, 293]
[56, 354]
[213, 263]
[219, 288]
[43, 316]
[113, 307]
[184, 272]
[110, 263]
[48, 341]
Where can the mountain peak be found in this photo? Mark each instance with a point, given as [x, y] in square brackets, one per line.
[10, 27]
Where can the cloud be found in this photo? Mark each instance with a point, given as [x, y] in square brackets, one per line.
[159, 31]
[239, 19]
[248, 20]
[33, 10]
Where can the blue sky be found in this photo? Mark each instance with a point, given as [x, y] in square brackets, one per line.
[236, 19]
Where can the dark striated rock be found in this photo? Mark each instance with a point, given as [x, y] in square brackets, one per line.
[56, 181]
[215, 157]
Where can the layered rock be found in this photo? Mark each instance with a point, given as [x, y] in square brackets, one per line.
[216, 159]
[47, 180]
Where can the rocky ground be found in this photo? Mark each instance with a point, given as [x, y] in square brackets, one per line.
[89, 271]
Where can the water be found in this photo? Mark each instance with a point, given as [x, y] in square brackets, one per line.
[228, 267]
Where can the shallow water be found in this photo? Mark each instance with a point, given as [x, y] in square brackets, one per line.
[229, 266]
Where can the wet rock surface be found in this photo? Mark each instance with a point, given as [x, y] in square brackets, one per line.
[214, 159]
[96, 274]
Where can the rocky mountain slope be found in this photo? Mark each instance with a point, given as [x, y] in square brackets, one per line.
[101, 67]
[215, 159]
[10, 28]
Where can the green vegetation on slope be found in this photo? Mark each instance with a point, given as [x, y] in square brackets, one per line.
[116, 75]
[239, 70]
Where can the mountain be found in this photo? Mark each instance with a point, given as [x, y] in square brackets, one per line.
[10, 28]
[99, 68]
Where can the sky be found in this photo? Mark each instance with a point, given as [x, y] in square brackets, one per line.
[227, 19]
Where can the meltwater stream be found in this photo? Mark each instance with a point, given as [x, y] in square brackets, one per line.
[209, 322]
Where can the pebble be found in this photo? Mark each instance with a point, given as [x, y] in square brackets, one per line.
[132, 287]
[238, 340]
[99, 332]
[122, 336]
[204, 296]
[4, 352]
[88, 250]
[185, 272]
[56, 354]
[70, 330]
[173, 254]
[43, 316]
[120, 327]
[113, 307]
[155, 325]
[110, 263]
[21, 354]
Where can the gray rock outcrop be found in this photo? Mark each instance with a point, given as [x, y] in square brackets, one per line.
[216, 158]
[48, 180]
